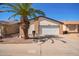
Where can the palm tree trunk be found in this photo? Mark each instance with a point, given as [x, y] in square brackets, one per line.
[24, 27]
[25, 34]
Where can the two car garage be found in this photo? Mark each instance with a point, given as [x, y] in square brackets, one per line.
[50, 30]
[49, 26]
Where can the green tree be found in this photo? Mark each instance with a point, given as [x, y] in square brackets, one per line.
[25, 11]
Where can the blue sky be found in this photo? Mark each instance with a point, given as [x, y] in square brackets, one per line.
[58, 11]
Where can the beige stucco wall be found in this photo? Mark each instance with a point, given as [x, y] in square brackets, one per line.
[34, 26]
[74, 30]
[44, 21]
[14, 28]
[21, 34]
[61, 28]
[1, 29]
[8, 29]
[31, 28]
[67, 28]
[64, 27]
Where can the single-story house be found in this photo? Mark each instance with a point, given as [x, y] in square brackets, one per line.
[45, 26]
[71, 26]
[7, 28]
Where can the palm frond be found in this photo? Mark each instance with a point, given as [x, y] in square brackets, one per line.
[14, 15]
[34, 12]
[12, 6]
[9, 11]
[41, 13]
[25, 5]
[23, 9]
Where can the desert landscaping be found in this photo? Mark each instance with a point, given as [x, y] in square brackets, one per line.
[64, 46]
[26, 30]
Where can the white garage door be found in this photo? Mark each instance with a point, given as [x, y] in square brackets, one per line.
[50, 30]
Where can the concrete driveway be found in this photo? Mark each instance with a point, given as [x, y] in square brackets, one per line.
[57, 48]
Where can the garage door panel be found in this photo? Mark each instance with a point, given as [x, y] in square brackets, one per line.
[51, 30]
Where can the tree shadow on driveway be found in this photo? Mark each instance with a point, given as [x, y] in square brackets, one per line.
[45, 38]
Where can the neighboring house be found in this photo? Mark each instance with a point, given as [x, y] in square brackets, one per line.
[71, 26]
[8, 27]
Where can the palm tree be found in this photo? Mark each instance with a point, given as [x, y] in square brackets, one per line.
[25, 11]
